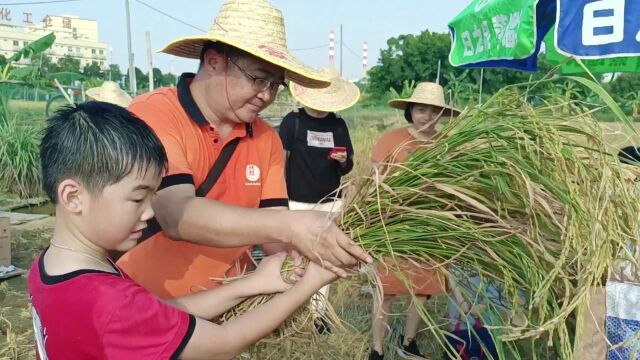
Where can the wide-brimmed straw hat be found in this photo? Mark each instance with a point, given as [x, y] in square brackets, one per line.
[256, 27]
[340, 95]
[110, 92]
[426, 93]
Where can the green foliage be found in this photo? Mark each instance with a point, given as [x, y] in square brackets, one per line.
[114, 73]
[626, 90]
[69, 64]
[169, 80]
[25, 76]
[93, 71]
[20, 158]
[410, 57]
[35, 47]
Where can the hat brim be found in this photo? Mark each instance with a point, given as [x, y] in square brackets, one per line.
[295, 70]
[325, 100]
[121, 99]
[401, 104]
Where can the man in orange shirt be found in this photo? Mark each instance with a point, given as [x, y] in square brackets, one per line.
[225, 162]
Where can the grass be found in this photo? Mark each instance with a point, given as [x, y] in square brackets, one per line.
[16, 330]
[20, 158]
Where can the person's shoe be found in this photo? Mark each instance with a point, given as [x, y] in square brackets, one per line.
[322, 326]
[375, 355]
[409, 351]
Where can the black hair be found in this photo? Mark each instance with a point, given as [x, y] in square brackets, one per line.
[97, 144]
[630, 155]
[407, 112]
[221, 48]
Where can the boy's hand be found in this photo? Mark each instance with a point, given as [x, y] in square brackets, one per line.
[320, 240]
[318, 275]
[268, 275]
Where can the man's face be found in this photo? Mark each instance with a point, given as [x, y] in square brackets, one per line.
[251, 85]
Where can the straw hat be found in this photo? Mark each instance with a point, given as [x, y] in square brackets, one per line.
[110, 92]
[427, 93]
[256, 27]
[340, 95]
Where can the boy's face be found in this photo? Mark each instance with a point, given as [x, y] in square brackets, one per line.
[115, 219]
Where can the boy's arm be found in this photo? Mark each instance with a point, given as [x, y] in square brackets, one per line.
[212, 303]
[225, 341]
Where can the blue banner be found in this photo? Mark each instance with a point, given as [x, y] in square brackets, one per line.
[598, 28]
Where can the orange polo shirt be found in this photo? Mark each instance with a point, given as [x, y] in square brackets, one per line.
[394, 147]
[254, 177]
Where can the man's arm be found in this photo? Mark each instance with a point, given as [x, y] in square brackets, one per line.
[184, 216]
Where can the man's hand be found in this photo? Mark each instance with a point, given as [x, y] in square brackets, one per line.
[319, 239]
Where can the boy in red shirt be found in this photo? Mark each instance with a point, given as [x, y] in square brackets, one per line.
[101, 167]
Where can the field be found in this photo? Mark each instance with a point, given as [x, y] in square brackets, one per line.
[351, 298]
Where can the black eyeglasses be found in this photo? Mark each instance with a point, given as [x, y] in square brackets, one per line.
[259, 84]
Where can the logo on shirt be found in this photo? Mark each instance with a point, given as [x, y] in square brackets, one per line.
[40, 334]
[252, 172]
[320, 139]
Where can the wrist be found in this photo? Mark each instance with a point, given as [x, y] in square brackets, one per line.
[273, 227]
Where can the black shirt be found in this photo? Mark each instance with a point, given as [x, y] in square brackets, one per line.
[311, 176]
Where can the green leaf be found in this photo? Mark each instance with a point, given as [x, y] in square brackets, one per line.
[65, 77]
[23, 73]
[604, 95]
[35, 47]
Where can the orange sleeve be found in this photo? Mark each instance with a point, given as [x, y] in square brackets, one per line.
[274, 188]
[160, 114]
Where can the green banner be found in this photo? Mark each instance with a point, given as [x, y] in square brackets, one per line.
[596, 66]
[494, 30]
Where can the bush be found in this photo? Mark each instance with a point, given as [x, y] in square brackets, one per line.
[20, 158]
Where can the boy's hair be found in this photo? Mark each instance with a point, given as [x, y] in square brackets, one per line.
[97, 144]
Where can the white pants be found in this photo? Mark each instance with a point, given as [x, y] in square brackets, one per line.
[332, 206]
[318, 300]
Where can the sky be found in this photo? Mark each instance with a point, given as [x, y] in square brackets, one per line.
[307, 22]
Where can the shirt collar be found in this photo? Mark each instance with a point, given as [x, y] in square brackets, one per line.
[185, 97]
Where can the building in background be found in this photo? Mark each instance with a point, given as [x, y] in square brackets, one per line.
[75, 37]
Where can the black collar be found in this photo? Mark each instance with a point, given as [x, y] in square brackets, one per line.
[189, 104]
[186, 99]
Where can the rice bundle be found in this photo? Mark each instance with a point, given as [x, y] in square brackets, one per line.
[529, 198]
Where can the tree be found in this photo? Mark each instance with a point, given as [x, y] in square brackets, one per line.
[169, 79]
[158, 78]
[114, 73]
[93, 71]
[411, 57]
[69, 64]
[142, 80]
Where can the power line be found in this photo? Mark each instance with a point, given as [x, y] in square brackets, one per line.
[310, 48]
[170, 16]
[37, 2]
[353, 52]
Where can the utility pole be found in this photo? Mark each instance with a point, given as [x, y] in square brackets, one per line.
[132, 69]
[150, 60]
[341, 49]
